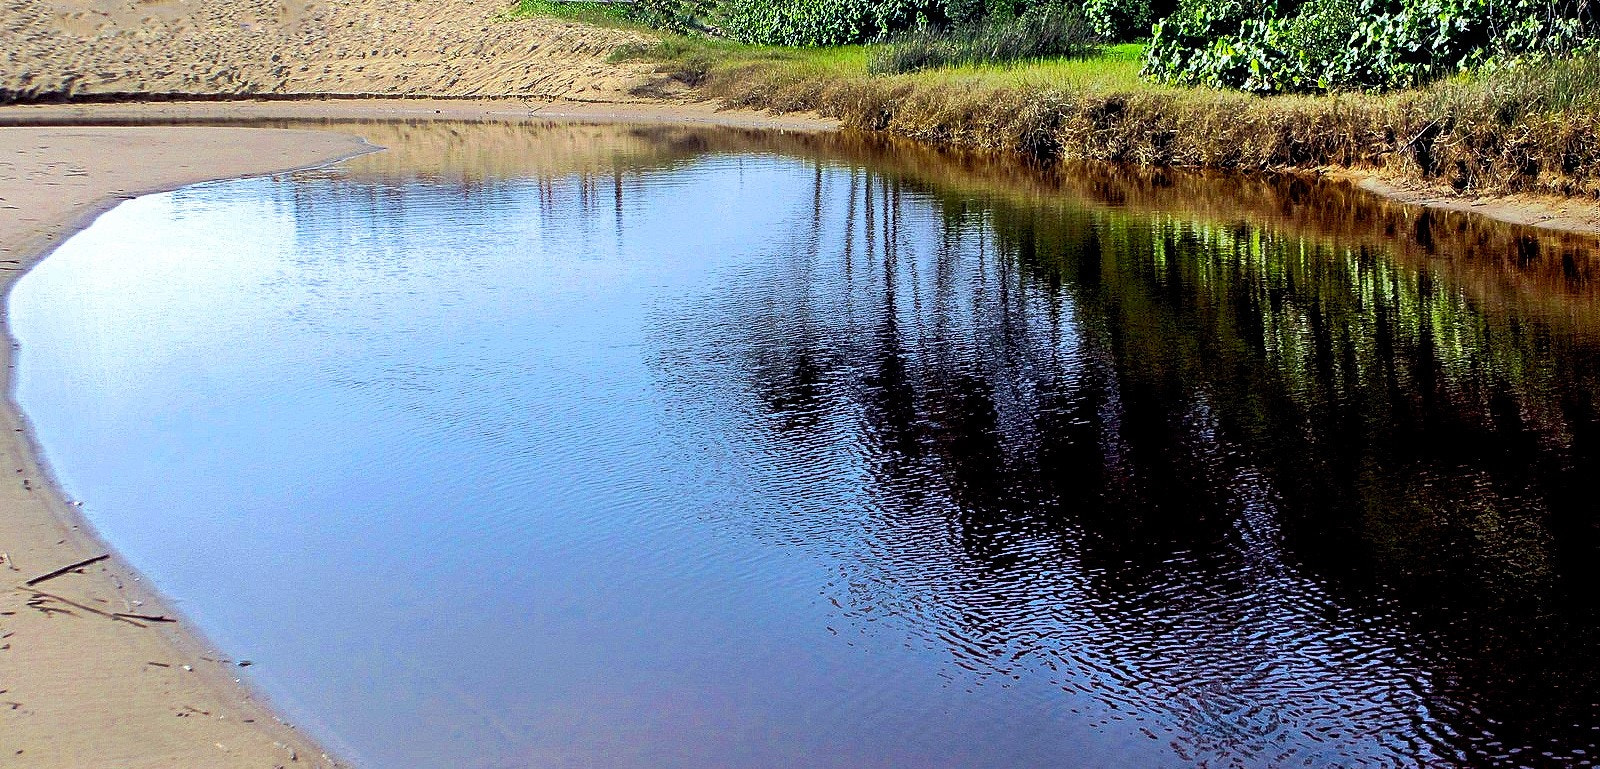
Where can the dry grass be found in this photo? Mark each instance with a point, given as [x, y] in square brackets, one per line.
[1529, 129]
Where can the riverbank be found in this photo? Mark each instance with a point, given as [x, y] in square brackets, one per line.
[1517, 145]
[367, 110]
[1545, 211]
[98, 669]
[1524, 130]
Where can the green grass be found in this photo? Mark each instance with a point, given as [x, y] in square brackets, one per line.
[1526, 128]
[1043, 32]
[599, 14]
[1114, 68]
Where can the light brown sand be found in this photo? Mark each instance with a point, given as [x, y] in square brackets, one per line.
[457, 48]
[1542, 211]
[79, 686]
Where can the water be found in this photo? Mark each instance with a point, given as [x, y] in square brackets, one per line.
[659, 447]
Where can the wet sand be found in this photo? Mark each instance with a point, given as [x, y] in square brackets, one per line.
[92, 672]
[366, 110]
[1581, 215]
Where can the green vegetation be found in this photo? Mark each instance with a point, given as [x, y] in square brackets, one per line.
[1042, 32]
[1274, 46]
[844, 22]
[1466, 98]
[1527, 127]
[603, 14]
[1260, 46]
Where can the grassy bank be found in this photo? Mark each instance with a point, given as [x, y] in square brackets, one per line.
[1528, 129]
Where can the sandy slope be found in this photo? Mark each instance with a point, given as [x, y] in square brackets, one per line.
[81, 686]
[283, 47]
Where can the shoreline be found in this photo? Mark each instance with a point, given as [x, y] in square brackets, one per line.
[102, 669]
[95, 688]
[399, 109]
[1578, 215]
[1547, 212]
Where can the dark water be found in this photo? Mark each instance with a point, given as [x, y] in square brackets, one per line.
[659, 447]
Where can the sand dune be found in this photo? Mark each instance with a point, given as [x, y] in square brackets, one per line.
[52, 49]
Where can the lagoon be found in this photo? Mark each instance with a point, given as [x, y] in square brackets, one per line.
[653, 446]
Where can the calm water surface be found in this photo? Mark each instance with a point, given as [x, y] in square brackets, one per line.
[560, 446]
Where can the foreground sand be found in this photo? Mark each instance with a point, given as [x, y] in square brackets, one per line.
[87, 678]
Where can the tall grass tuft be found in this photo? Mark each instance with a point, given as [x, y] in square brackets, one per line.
[1049, 31]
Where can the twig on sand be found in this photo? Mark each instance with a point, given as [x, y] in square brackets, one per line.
[67, 569]
[40, 599]
[145, 617]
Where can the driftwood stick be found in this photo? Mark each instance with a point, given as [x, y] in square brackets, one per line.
[145, 617]
[43, 597]
[66, 569]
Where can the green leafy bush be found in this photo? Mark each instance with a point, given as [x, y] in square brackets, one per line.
[1124, 20]
[675, 15]
[824, 22]
[1041, 31]
[814, 22]
[1270, 46]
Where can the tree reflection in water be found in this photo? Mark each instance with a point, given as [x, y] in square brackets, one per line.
[1275, 471]
[1279, 495]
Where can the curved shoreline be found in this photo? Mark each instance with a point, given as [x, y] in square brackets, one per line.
[88, 691]
[101, 669]
[92, 688]
[398, 109]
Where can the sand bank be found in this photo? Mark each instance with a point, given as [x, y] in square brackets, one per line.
[90, 674]
[1580, 215]
[508, 110]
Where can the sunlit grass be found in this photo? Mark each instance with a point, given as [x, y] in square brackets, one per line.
[1113, 68]
[599, 14]
[1527, 127]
